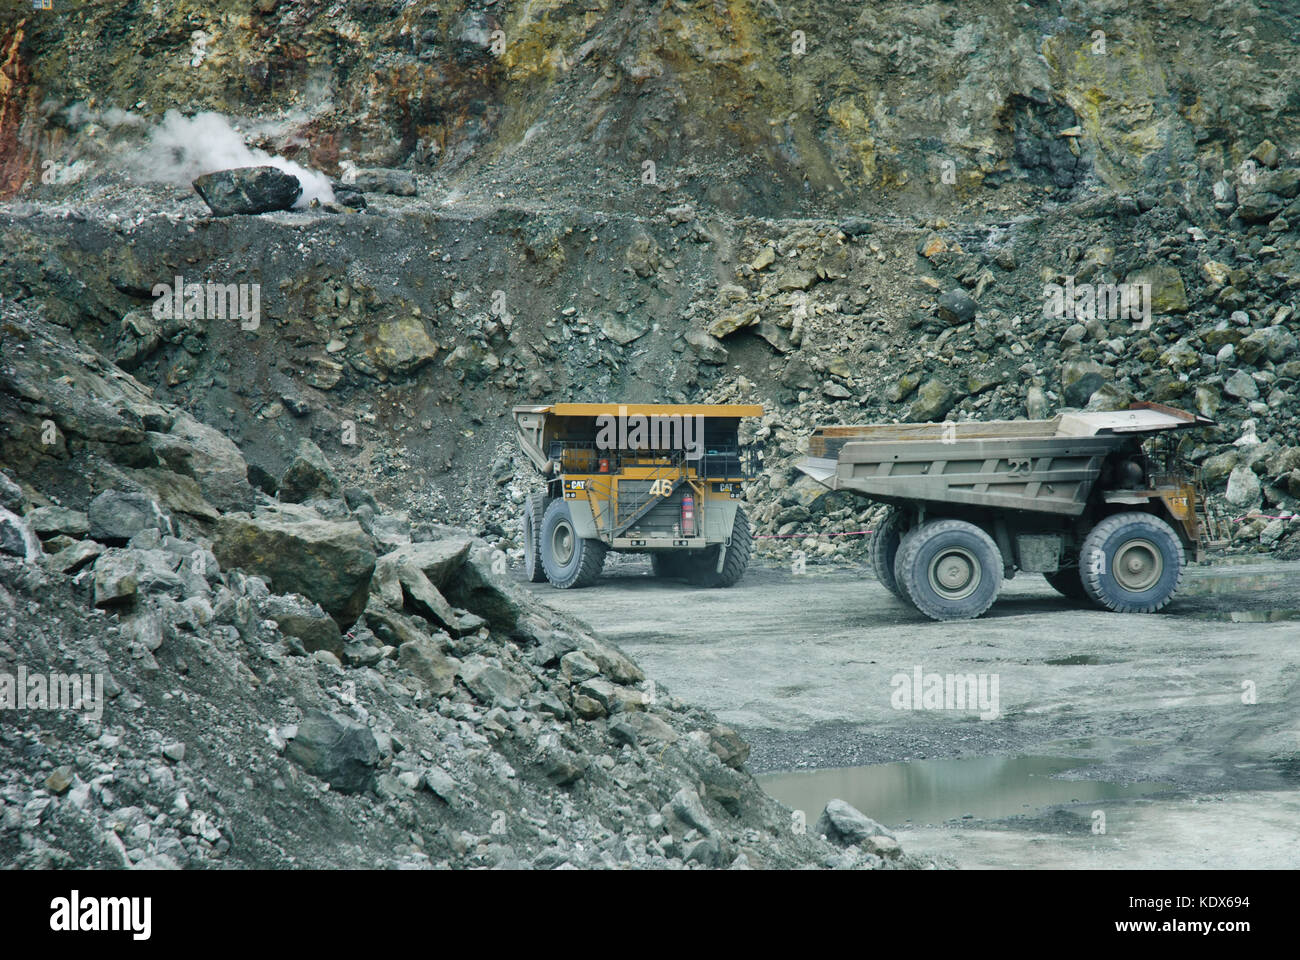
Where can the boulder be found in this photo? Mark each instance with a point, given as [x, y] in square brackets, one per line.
[707, 347]
[956, 307]
[492, 685]
[395, 628]
[1271, 343]
[400, 346]
[1243, 487]
[1242, 386]
[117, 578]
[309, 476]
[934, 399]
[336, 749]
[687, 808]
[75, 556]
[299, 617]
[1215, 468]
[248, 190]
[17, 538]
[1168, 295]
[436, 559]
[116, 517]
[639, 727]
[1260, 207]
[727, 745]
[844, 824]
[1080, 379]
[209, 457]
[623, 329]
[11, 495]
[425, 661]
[429, 602]
[1284, 183]
[399, 183]
[49, 521]
[476, 588]
[329, 562]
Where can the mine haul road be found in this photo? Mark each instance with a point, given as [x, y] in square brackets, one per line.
[808, 667]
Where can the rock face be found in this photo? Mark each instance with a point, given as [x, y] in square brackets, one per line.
[337, 749]
[248, 190]
[330, 562]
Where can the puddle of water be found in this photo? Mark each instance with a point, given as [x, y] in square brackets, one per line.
[932, 791]
[1247, 616]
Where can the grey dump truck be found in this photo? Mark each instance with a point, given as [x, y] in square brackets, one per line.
[1098, 503]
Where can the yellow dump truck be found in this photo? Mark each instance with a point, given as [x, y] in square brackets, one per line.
[662, 479]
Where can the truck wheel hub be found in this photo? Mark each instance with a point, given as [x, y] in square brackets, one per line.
[1138, 565]
[562, 543]
[954, 574]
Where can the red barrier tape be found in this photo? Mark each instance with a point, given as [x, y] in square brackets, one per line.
[802, 536]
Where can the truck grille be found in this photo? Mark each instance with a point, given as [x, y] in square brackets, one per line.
[632, 494]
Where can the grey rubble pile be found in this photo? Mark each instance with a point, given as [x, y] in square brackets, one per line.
[320, 683]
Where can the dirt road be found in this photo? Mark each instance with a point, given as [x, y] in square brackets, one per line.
[828, 670]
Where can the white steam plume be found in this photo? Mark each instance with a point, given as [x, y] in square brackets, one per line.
[182, 148]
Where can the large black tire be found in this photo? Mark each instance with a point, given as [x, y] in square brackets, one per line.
[1132, 563]
[884, 549]
[669, 565]
[569, 560]
[900, 582]
[704, 570]
[534, 511]
[950, 569]
[1068, 583]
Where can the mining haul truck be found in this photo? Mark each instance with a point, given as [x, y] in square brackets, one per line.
[1098, 503]
[661, 479]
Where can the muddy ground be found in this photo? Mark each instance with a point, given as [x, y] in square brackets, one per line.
[802, 665]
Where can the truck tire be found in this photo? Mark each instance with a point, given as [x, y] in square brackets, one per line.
[704, 568]
[569, 560]
[669, 565]
[884, 549]
[950, 569]
[1132, 563]
[1068, 583]
[534, 511]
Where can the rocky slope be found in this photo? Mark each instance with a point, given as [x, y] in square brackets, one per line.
[311, 681]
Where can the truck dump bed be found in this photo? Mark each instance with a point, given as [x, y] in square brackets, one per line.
[1047, 466]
